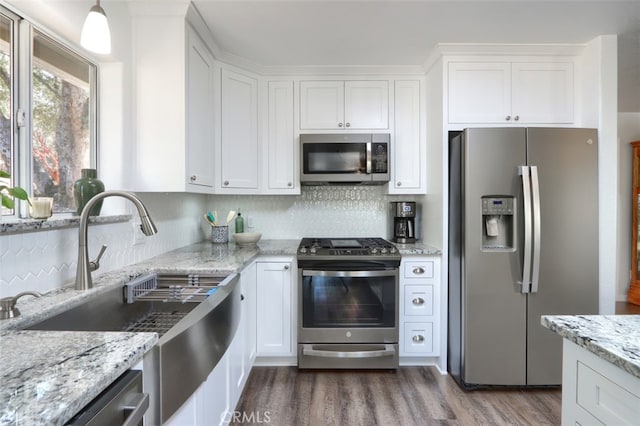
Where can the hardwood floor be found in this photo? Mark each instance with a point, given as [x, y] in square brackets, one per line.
[409, 396]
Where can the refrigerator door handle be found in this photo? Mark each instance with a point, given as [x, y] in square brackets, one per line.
[535, 196]
[524, 172]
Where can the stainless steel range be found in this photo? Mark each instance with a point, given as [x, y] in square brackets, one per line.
[348, 303]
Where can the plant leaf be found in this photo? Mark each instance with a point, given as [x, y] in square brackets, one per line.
[7, 201]
[4, 174]
[18, 193]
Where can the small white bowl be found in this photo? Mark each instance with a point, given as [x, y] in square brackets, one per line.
[245, 239]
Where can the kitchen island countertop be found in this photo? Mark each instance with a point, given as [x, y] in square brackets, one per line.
[614, 338]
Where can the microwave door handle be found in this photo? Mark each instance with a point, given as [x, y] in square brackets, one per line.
[368, 158]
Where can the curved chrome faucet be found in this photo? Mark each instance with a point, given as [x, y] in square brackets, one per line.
[85, 267]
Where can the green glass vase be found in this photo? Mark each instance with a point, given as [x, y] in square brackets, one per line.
[86, 188]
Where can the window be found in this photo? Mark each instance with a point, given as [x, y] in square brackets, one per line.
[46, 152]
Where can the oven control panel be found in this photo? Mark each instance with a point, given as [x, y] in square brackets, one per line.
[352, 248]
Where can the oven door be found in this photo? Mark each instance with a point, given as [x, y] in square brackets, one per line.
[345, 306]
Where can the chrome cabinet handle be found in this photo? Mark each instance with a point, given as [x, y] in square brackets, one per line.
[192, 178]
[226, 183]
[418, 270]
[516, 118]
[398, 183]
[418, 338]
[286, 267]
[348, 124]
[418, 301]
[289, 184]
[340, 124]
[507, 118]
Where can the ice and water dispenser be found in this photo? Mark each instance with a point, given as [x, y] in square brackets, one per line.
[498, 220]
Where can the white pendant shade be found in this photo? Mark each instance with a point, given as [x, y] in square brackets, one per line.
[95, 32]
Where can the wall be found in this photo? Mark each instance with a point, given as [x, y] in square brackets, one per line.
[628, 131]
[46, 260]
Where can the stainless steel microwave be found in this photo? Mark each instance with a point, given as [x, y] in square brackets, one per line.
[353, 158]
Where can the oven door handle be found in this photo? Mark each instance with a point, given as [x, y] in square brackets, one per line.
[388, 350]
[383, 273]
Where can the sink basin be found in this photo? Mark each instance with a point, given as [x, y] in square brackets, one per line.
[194, 332]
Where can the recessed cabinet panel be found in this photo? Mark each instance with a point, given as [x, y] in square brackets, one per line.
[511, 93]
[199, 113]
[418, 300]
[281, 145]
[321, 104]
[408, 173]
[542, 92]
[479, 92]
[366, 104]
[274, 309]
[344, 105]
[239, 165]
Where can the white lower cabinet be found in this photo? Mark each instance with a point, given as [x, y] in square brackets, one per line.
[595, 391]
[419, 309]
[276, 311]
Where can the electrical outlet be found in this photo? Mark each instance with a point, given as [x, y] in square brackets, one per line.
[138, 236]
[249, 221]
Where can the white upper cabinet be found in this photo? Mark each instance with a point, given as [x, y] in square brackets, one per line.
[173, 129]
[238, 148]
[511, 92]
[200, 128]
[344, 105]
[408, 171]
[280, 164]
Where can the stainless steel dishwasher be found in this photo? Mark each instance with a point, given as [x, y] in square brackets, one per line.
[122, 403]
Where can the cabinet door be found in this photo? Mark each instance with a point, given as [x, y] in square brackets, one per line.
[321, 105]
[213, 397]
[542, 92]
[239, 131]
[249, 306]
[479, 92]
[366, 104]
[281, 146]
[408, 172]
[199, 115]
[274, 311]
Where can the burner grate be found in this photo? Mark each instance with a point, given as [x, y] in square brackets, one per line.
[157, 322]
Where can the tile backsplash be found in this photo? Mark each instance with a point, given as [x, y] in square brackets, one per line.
[46, 260]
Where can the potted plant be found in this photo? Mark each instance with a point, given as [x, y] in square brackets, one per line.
[9, 193]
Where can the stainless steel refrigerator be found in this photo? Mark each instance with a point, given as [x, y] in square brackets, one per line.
[523, 242]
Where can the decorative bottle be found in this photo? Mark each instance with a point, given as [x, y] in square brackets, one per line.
[239, 223]
[86, 188]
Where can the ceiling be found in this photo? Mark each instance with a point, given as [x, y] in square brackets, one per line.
[404, 33]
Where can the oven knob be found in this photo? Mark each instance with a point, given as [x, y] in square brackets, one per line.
[312, 250]
[303, 249]
[374, 250]
[383, 250]
[392, 250]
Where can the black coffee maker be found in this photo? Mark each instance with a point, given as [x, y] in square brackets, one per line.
[404, 221]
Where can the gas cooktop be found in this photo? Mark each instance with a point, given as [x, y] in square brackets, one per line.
[328, 248]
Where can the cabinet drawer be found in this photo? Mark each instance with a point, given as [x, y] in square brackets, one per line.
[418, 269]
[607, 401]
[418, 300]
[418, 337]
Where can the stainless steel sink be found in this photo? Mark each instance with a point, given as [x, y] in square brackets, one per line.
[195, 330]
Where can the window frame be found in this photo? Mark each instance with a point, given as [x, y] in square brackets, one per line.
[21, 167]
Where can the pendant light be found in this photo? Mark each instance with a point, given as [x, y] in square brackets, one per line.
[95, 32]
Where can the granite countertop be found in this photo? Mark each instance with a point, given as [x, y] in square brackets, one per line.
[47, 376]
[418, 248]
[614, 338]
